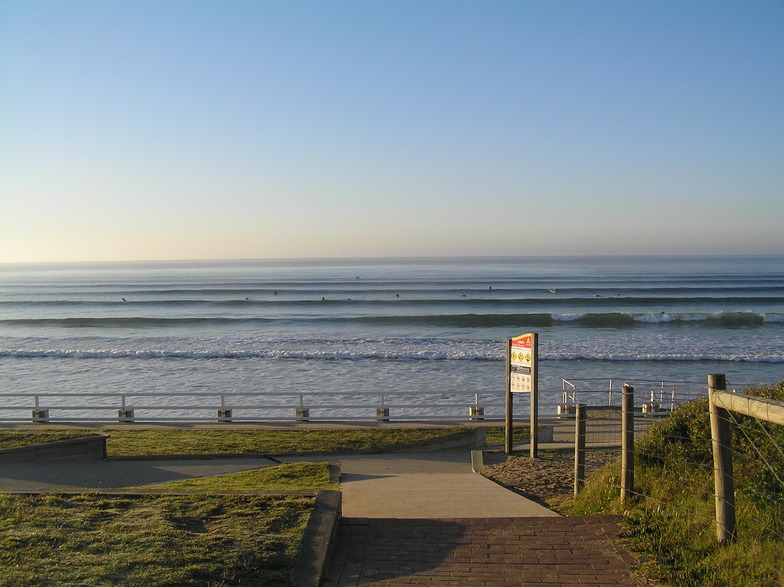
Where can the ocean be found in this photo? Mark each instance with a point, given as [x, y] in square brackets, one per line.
[430, 326]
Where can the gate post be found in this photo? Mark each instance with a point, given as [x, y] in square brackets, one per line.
[721, 439]
[627, 443]
[579, 448]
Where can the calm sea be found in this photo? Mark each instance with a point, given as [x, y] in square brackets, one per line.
[386, 325]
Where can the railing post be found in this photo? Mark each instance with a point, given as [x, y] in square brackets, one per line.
[382, 413]
[627, 442]
[125, 414]
[476, 412]
[721, 439]
[40, 416]
[579, 448]
[302, 414]
[224, 414]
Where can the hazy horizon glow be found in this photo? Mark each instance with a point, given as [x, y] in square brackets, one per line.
[256, 129]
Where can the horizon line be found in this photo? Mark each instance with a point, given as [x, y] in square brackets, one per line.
[389, 258]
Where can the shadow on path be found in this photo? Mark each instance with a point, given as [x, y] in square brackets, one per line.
[498, 551]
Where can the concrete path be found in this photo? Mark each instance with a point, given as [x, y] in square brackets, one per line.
[437, 484]
[408, 485]
[75, 475]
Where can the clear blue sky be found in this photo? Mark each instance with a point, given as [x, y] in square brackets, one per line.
[149, 129]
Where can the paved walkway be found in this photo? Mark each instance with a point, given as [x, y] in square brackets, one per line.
[427, 519]
[473, 552]
[439, 484]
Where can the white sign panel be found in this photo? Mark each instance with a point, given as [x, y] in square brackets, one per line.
[520, 362]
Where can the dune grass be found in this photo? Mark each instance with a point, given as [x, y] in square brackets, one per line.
[670, 523]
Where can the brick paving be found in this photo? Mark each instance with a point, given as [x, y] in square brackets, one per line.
[475, 551]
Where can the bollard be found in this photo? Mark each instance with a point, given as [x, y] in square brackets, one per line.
[125, 415]
[41, 416]
[224, 415]
[650, 408]
[565, 410]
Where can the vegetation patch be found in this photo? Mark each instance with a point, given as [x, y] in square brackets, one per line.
[90, 539]
[497, 434]
[283, 478]
[671, 520]
[233, 441]
[178, 441]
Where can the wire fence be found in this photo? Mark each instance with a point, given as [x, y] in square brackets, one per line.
[730, 487]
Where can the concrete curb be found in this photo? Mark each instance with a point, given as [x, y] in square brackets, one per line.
[85, 448]
[320, 533]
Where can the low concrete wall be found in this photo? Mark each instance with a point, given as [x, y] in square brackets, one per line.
[316, 546]
[87, 448]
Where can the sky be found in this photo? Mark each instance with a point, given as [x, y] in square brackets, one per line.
[234, 129]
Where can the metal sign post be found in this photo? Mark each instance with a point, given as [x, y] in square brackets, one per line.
[522, 377]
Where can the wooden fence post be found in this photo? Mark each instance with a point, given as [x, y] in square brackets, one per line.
[509, 410]
[721, 439]
[627, 442]
[579, 448]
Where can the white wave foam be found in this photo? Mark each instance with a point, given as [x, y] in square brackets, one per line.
[562, 354]
[656, 318]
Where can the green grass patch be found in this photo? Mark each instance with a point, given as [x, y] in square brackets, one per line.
[283, 478]
[497, 434]
[299, 440]
[670, 523]
[177, 441]
[198, 539]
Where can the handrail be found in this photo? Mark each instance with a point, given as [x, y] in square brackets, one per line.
[665, 395]
[226, 406]
[179, 406]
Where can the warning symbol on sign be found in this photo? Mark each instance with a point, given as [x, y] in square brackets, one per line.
[520, 363]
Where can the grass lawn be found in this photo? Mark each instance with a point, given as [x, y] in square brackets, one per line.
[151, 540]
[283, 478]
[170, 441]
[200, 538]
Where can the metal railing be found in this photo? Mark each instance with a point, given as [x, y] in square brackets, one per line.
[325, 406]
[250, 407]
[664, 396]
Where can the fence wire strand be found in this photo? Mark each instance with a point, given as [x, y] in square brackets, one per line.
[771, 524]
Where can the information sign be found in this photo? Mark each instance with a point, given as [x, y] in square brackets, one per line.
[521, 363]
[522, 377]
